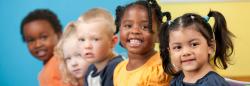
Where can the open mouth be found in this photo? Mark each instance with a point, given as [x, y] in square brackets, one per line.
[134, 42]
[88, 55]
[41, 53]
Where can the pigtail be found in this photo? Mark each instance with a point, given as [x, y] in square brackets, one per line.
[149, 15]
[119, 13]
[224, 44]
[164, 40]
[153, 5]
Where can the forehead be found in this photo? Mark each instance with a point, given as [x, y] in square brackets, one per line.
[70, 42]
[136, 10]
[184, 34]
[91, 27]
[37, 26]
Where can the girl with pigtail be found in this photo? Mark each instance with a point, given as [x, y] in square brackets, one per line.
[190, 47]
[139, 23]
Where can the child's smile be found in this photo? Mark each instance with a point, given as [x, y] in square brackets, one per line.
[134, 42]
[134, 31]
[189, 48]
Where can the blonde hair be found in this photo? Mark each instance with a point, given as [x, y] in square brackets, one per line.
[99, 14]
[67, 77]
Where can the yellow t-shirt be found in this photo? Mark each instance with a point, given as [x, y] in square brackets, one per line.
[149, 74]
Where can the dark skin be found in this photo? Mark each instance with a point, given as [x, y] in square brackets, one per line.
[136, 37]
[41, 39]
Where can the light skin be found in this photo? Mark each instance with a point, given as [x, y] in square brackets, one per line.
[136, 37]
[190, 51]
[41, 39]
[76, 65]
[96, 42]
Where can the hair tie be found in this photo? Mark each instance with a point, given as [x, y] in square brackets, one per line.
[192, 17]
[169, 22]
[206, 18]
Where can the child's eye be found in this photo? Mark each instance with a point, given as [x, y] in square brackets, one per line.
[194, 45]
[29, 40]
[67, 59]
[144, 27]
[81, 39]
[176, 48]
[43, 37]
[127, 26]
[96, 39]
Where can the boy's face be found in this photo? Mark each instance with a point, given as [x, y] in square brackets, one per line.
[40, 38]
[134, 31]
[76, 65]
[189, 49]
[95, 41]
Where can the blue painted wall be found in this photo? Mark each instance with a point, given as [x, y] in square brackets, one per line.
[17, 66]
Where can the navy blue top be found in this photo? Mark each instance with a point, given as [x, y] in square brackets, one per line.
[106, 74]
[210, 79]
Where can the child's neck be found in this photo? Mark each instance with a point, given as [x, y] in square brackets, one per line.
[193, 76]
[100, 65]
[80, 82]
[137, 60]
[46, 61]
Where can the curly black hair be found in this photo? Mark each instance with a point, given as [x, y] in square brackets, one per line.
[152, 7]
[42, 14]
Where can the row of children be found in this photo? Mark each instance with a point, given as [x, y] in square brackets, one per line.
[83, 54]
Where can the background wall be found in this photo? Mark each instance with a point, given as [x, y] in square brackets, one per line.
[17, 66]
[237, 15]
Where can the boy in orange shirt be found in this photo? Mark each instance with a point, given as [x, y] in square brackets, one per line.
[41, 30]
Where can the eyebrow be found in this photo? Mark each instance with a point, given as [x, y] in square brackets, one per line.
[178, 43]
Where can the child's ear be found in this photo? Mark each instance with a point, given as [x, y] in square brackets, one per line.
[114, 40]
[212, 47]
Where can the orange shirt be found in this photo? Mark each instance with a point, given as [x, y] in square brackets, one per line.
[50, 74]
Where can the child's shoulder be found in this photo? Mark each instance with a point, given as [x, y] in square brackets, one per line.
[212, 79]
[115, 60]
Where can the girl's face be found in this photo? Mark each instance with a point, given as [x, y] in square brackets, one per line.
[76, 65]
[189, 49]
[134, 31]
[41, 39]
[96, 41]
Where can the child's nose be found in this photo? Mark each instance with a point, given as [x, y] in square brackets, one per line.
[186, 52]
[136, 29]
[87, 45]
[38, 43]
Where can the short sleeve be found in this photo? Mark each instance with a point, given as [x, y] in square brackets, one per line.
[155, 76]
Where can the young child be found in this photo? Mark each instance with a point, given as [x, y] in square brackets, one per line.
[190, 47]
[95, 30]
[73, 67]
[41, 30]
[139, 23]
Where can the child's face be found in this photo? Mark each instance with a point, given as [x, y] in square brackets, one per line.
[134, 31]
[76, 65]
[189, 49]
[40, 38]
[95, 41]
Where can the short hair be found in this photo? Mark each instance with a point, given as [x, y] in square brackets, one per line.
[42, 14]
[99, 14]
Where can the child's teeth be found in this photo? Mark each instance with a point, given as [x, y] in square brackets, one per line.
[41, 53]
[135, 42]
